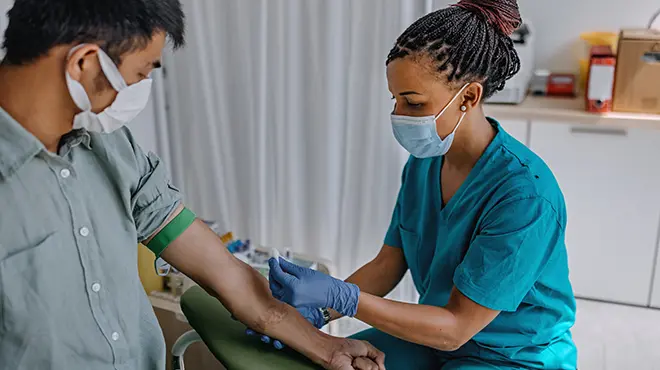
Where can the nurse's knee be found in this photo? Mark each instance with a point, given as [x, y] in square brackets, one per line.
[473, 364]
[399, 354]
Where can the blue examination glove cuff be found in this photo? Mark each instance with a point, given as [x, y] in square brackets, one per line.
[347, 299]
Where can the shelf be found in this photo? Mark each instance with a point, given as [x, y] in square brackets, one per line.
[569, 110]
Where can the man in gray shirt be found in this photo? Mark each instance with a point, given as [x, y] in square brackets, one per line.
[77, 193]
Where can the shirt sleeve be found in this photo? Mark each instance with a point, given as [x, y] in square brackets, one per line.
[508, 255]
[393, 235]
[155, 198]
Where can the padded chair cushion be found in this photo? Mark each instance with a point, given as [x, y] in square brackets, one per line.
[227, 340]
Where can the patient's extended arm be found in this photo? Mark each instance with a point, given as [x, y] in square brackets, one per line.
[199, 253]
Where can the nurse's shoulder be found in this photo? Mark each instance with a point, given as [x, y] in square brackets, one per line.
[525, 174]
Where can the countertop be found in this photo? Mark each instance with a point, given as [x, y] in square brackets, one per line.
[569, 110]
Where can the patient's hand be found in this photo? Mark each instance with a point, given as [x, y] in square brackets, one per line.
[352, 354]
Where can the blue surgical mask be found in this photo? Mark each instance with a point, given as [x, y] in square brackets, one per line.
[419, 136]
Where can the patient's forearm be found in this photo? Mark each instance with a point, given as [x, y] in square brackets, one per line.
[200, 254]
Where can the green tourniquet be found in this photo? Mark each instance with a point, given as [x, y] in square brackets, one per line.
[174, 228]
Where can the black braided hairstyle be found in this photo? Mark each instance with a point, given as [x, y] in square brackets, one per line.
[469, 42]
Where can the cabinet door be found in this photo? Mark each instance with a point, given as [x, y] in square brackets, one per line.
[519, 129]
[611, 183]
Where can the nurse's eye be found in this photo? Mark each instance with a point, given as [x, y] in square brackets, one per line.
[414, 105]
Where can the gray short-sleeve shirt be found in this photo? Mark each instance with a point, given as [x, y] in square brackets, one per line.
[70, 294]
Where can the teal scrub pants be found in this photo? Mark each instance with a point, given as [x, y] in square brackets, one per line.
[402, 355]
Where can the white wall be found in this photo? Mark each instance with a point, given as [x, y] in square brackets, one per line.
[559, 23]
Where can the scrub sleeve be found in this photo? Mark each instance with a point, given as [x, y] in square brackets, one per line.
[509, 253]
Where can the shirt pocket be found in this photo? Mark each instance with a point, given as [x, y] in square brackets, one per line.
[8, 252]
[21, 282]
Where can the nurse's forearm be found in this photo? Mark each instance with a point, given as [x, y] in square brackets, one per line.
[430, 326]
[443, 328]
[380, 275]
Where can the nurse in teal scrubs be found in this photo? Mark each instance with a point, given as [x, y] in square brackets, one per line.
[479, 221]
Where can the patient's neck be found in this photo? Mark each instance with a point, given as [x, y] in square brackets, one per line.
[35, 95]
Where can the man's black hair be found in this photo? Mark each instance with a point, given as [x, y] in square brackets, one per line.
[118, 26]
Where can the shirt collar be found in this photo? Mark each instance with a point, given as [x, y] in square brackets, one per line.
[18, 146]
[73, 139]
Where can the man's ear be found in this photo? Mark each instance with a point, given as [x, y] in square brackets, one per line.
[82, 57]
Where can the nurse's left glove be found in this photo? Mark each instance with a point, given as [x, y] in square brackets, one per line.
[303, 287]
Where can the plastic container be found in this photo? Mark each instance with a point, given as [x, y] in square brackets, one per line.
[150, 280]
[594, 39]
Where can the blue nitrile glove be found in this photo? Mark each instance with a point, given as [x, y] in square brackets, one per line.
[303, 287]
[264, 338]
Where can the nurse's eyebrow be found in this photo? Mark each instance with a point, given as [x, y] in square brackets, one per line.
[409, 93]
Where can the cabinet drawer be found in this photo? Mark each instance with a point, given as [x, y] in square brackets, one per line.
[611, 181]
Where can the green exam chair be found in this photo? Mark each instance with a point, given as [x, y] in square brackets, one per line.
[226, 338]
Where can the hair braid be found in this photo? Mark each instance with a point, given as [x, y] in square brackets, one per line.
[469, 41]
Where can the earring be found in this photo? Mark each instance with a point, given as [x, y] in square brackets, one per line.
[463, 108]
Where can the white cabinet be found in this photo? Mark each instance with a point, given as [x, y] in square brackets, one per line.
[611, 181]
[519, 129]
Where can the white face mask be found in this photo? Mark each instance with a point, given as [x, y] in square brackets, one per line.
[130, 100]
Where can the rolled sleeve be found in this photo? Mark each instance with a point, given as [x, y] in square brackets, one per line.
[506, 258]
[155, 198]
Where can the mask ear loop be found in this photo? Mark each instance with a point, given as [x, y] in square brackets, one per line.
[452, 101]
[111, 71]
[460, 119]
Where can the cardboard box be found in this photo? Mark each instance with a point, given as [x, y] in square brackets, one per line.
[637, 86]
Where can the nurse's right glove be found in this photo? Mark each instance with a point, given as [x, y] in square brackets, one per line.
[303, 287]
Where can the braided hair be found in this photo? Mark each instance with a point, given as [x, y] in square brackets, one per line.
[468, 42]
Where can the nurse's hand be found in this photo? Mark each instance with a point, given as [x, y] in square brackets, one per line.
[303, 287]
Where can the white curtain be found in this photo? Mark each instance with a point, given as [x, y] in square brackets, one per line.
[5, 5]
[279, 128]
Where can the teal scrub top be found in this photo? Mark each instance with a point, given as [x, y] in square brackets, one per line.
[500, 242]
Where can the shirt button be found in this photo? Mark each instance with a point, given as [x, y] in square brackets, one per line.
[115, 336]
[65, 173]
[96, 287]
[84, 231]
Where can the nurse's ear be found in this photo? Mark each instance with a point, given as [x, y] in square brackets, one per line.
[472, 96]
